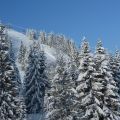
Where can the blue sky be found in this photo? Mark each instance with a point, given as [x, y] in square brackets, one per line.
[75, 18]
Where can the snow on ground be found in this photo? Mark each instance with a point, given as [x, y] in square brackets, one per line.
[17, 37]
[35, 117]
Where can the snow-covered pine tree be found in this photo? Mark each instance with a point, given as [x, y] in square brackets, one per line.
[116, 68]
[12, 55]
[73, 70]
[22, 56]
[64, 46]
[110, 68]
[10, 106]
[74, 54]
[21, 53]
[111, 98]
[50, 39]
[54, 107]
[72, 75]
[60, 98]
[13, 59]
[84, 96]
[98, 81]
[104, 86]
[43, 37]
[35, 80]
[31, 34]
[68, 46]
[61, 45]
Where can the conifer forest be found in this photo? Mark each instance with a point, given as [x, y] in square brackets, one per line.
[46, 76]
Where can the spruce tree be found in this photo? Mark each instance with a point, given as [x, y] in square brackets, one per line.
[10, 106]
[55, 107]
[50, 39]
[105, 87]
[98, 81]
[115, 66]
[22, 56]
[35, 80]
[71, 82]
[74, 54]
[84, 97]
[43, 37]
[12, 55]
[73, 70]
[61, 95]
[13, 59]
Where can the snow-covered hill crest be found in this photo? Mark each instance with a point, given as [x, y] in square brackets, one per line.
[16, 38]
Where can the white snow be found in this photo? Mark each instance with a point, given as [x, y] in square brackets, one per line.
[35, 117]
[17, 37]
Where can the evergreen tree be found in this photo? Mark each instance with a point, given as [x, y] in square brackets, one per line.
[12, 55]
[115, 66]
[21, 53]
[50, 39]
[84, 97]
[97, 95]
[71, 83]
[106, 90]
[35, 80]
[55, 108]
[75, 57]
[73, 70]
[111, 96]
[98, 81]
[61, 96]
[31, 34]
[43, 37]
[13, 59]
[10, 106]
[22, 56]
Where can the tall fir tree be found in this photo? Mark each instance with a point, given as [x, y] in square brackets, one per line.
[61, 95]
[84, 96]
[98, 81]
[12, 55]
[43, 37]
[13, 59]
[10, 105]
[35, 80]
[50, 39]
[22, 56]
[106, 90]
[115, 66]
[54, 105]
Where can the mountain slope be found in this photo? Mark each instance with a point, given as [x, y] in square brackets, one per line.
[17, 37]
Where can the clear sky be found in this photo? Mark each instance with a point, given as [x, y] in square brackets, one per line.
[75, 18]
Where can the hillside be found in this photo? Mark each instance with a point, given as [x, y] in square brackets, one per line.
[17, 37]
